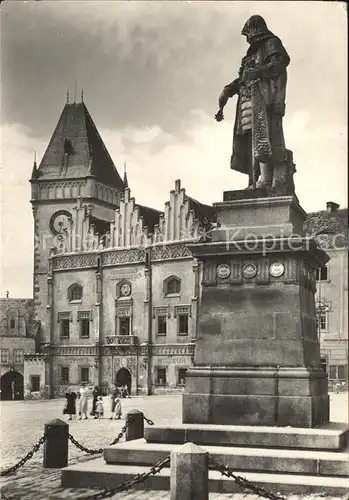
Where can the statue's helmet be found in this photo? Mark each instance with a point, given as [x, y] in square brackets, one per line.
[254, 26]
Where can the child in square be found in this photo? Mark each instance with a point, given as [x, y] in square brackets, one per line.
[99, 407]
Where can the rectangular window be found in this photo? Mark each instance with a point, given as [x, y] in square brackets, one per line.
[4, 355]
[84, 328]
[162, 325]
[161, 376]
[183, 322]
[181, 376]
[321, 273]
[124, 326]
[18, 356]
[84, 374]
[35, 383]
[333, 372]
[65, 328]
[342, 372]
[322, 321]
[12, 324]
[65, 374]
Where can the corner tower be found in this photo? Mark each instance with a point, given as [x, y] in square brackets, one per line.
[76, 164]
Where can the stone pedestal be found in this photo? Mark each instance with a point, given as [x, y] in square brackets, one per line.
[257, 355]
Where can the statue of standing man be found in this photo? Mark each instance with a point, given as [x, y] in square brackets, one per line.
[258, 144]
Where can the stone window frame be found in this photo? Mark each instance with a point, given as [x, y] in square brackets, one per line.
[166, 283]
[12, 319]
[164, 318]
[182, 310]
[81, 368]
[336, 366]
[18, 356]
[157, 383]
[62, 380]
[5, 356]
[31, 377]
[70, 291]
[123, 309]
[82, 317]
[325, 315]
[318, 270]
[178, 370]
[64, 316]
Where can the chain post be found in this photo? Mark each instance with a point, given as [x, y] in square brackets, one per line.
[56, 444]
[135, 425]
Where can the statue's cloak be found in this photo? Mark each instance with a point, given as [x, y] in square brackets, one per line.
[267, 94]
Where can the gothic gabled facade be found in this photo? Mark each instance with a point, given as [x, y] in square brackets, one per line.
[115, 288]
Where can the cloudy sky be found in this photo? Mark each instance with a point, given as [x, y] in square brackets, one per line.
[151, 74]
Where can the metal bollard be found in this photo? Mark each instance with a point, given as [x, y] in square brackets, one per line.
[134, 425]
[189, 473]
[56, 444]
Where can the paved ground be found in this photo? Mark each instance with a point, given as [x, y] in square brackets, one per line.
[22, 424]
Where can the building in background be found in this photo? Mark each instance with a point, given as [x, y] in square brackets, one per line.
[116, 290]
[330, 228]
[17, 337]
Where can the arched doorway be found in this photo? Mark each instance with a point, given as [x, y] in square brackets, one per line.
[123, 377]
[12, 386]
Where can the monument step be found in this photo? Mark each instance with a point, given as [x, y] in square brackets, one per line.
[331, 436]
[139, 452]
[97, 474]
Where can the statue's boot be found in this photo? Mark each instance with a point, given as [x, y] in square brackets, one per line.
[266, 178]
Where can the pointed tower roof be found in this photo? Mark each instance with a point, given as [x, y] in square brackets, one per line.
[76, 150]
[125, 177]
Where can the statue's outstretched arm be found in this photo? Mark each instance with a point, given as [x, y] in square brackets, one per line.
[229, 91]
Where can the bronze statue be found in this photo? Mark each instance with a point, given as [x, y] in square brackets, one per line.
[258, 144]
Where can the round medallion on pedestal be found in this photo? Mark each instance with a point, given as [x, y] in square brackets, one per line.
[276, 269]
[249, 270]
[223, 271]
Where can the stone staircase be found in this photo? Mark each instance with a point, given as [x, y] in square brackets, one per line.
[282, 460]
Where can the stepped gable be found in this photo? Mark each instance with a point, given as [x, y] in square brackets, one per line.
[328, 222]
[76, 150]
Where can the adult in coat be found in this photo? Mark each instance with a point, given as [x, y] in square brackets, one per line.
[70, 404]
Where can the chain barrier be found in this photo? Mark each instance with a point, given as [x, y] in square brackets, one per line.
[97, 451]
[244, 483]
[150, 422]
[25, 459]
[126, 485]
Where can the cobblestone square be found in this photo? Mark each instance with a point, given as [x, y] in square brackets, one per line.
[22, 424]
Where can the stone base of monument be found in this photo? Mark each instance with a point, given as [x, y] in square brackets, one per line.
[285, 460]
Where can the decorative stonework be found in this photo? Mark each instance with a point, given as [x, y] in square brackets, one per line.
[173, 349]
[74, 350]
[84, 315]
[161, 311]
[123, 307]
[75, 261]
[64, 315]
[170, 251]
[123, 256]
[182, 309]
[122, 339]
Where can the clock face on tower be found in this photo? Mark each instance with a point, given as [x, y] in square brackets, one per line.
[125, 290]
[60, 221]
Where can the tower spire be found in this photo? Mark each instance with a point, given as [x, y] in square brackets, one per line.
[67, 96]
[82, 95]
[125, 176]
[35, 169]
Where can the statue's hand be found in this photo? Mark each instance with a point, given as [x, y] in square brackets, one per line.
[219, 116]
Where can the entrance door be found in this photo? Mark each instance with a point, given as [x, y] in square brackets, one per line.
[12, 386]
[123, 377]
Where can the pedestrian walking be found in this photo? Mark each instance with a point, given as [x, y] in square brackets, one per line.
[95, 393]
[99, 407]
[117, 410]
[70, 404]
[83, 400]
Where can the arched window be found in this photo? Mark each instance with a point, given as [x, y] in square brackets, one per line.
[75, 292]
[172, 286]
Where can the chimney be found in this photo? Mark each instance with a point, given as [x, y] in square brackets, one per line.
[331, 206]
